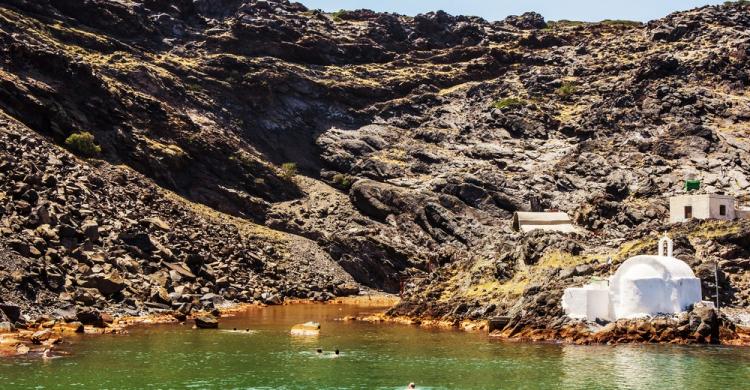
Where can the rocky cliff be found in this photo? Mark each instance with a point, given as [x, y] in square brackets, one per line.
[256, 150]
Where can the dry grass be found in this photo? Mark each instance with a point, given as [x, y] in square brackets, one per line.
[457, 87]
[559, 259]
[245, 227]
[514, 287]
[165, 149]
[635, 247]
[390, 156]
[712, 229]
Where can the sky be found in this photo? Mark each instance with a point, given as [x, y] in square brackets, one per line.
[585, 10]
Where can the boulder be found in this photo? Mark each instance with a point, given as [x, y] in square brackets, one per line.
[41, 336]
[158, 223]
[497, 323]
[89, 316]
[142, 241]
[206, 322]
[90, 230]
[306, 329]
[12, 312]
[346, 289]
[106, 284]
[272, 299]
[526, 21]
[67, 314]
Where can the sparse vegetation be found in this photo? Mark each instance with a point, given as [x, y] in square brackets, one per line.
[624, 23]
[193, 87]
[565, 23]
[565, 90]
[737, 2]
[245, 160]
[508, 102]
[83, 144]
[342, 181]
[336, 16]
[288, 170]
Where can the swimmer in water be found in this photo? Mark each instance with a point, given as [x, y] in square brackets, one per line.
[47, 354]
[319, 350]
[336, 352]
[411, 386]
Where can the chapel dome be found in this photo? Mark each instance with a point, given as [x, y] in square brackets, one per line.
[648, 285]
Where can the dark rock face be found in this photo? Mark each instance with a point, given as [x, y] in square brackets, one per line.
[414, 138]
[10, 313]
[527, 21]
[104, 239]
[89, 316]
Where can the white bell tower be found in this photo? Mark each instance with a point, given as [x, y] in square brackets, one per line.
[666, 241]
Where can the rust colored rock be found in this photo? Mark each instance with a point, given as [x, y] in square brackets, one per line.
[40, 336]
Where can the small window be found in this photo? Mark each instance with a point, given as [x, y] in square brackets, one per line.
[722, 210]
[688, 212]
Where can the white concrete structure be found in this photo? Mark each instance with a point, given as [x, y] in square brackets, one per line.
[549, 221]
[642, 286]
[588, 302]
[685, 207]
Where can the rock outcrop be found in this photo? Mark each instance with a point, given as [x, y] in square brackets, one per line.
[255, 150]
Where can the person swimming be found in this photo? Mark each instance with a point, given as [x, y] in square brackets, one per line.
[411, 386]
[319, 350]
[336, 351]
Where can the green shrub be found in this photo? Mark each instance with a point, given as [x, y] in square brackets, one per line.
[566, 90]
[336, 16]
[508, 102]
[83, 143]
[192, 87]
[564, 23]
[342, 181]
[618, 22]
[288, 170]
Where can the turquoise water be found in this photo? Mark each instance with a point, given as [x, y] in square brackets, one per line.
[374, 356]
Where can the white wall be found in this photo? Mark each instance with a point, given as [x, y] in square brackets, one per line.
[704, 207]
[643, 297]
[586, 303]
[727, 202]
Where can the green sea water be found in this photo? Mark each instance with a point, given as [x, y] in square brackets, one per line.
[373, 356]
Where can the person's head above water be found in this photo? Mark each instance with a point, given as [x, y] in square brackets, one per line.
[412, 386]
[336, 351]
[319, 350]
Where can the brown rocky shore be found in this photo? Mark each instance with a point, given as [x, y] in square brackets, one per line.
[697, 326]
[176, 156]
[48, 332]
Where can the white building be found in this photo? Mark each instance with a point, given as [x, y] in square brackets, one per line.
[553, 221]
[685, 207]
[642, 286]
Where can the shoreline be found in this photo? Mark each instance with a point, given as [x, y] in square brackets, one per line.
[46, 335]
[43, 335]
[637, 331]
